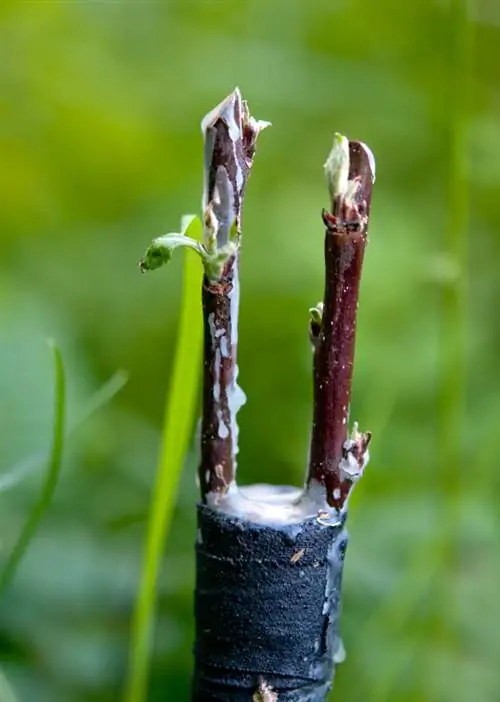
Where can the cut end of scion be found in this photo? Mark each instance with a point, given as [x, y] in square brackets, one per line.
[236, 115]
[230, 135]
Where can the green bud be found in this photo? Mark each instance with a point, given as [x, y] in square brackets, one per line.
[316, 313]
[162, 249]
[214, 263]
[337, 166]
[315, 322]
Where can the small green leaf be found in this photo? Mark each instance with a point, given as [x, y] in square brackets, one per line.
[162, 249]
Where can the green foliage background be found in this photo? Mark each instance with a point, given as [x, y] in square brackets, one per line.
[101, 151]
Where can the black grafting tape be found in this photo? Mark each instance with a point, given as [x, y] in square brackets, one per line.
[267, 607]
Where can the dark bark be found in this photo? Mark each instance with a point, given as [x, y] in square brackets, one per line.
[218, 450]
[345, 242]
[230, 137]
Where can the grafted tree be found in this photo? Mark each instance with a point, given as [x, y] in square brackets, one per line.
[270, 558]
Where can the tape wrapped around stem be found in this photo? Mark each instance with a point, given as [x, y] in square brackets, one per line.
[267, 607]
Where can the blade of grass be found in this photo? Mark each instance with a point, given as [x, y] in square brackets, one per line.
[53, 471]
[100, 398]
[177, 427]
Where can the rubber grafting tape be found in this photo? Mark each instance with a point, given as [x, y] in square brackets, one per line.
[267, 606]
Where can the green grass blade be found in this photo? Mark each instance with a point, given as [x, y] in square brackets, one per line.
[177, 427]
[53, 471]
[101, 397]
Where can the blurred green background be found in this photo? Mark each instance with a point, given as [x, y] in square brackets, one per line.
[100, 152]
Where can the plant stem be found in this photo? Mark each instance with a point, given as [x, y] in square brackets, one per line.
[218, 438]
[230, 136]
[335, 462]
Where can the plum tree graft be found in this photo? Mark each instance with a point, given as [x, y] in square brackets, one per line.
[269, 559]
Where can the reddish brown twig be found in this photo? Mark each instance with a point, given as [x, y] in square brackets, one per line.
[337, 461]
[230, 136]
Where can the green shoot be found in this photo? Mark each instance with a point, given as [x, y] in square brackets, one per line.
[337, 166]
[161, 249]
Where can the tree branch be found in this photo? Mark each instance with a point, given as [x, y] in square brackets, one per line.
[336, 461]
[230, 137]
